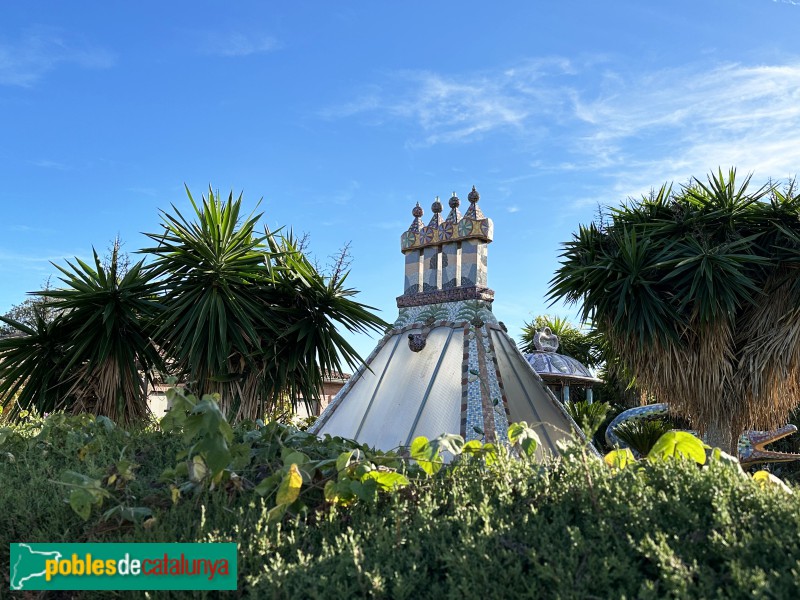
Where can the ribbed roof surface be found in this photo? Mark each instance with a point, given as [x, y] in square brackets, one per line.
[558, 365]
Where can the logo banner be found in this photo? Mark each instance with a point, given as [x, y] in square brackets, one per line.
[123, 566]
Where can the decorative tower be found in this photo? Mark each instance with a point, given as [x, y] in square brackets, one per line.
[447, 365]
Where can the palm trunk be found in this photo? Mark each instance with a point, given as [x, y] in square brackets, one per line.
[720, 434]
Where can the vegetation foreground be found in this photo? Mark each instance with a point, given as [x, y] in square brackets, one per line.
[328, 519]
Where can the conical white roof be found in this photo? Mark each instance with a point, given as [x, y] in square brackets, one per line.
[447, 365]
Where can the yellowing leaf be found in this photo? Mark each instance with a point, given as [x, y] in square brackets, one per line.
[472, 447]
[174, 493]
[289, 489]
[767, 479]
[197, 468]
[620, 458]
[112, 478]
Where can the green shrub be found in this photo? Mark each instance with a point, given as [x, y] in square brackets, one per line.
[572, 528]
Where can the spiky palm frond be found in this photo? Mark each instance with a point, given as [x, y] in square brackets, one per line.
[32, 365]
[642, 435]
[304, 311]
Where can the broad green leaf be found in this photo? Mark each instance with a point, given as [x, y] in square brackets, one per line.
[678, 444]
[289, 489]
[331, 492]
[419, 447]
[489, 454]
[268, 484]
[386, 480]
[276, 513]
[80, 500]
[366, 490]
[472, 447]
[426, 455]
[619, 458]
[297, 458]
[215, 452]
[345, 458]
[521, 433]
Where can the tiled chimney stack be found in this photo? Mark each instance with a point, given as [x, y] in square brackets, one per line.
[446, 260]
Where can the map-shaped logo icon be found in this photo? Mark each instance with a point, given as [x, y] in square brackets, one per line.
[27, 565]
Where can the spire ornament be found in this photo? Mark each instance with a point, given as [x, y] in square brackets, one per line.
[455, 214]
[474, 212]
[417, 224]
[436, 219]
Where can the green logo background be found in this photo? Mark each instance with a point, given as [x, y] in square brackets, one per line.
[27, 568]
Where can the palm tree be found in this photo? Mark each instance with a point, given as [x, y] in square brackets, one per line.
[697, 293]
[246, 314]
[96, 355]
[229, 310]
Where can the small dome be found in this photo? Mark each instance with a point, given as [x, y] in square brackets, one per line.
[436, 207]
[454, 201]
[417, 211]
[473, 196]
[551, 364]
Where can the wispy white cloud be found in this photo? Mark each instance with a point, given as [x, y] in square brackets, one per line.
[678, 123]
[628, 130]
[513, 209]
[24, 61]
[50, 164]
[345, 196]
[239, 44]
[461, 109]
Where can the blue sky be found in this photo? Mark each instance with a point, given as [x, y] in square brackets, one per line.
[342, 115]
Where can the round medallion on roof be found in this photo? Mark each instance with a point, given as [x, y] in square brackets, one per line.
[417, 211]
[436, 207]
[454, 201]
[446, 230]
[465, 227]
[474, 196]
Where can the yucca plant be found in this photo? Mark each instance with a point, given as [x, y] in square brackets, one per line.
[589, 417]
[642, 435]
[32, 366]
[246, 314]
[696, 292]
[96, 355]
[210, 271]
[300, 340]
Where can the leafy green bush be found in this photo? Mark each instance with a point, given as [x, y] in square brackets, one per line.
[484, 525]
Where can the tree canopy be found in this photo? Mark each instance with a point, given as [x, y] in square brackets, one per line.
[697, 292]
[225, 308]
